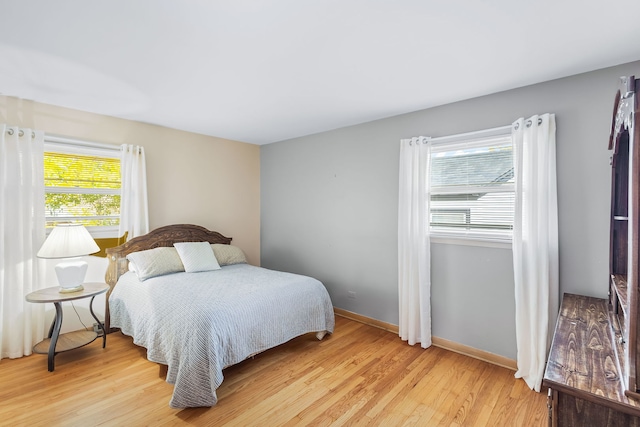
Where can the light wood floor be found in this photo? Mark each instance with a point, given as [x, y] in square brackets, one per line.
[360, 375]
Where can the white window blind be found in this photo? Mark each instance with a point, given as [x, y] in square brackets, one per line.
[82, 185]
[472, 188]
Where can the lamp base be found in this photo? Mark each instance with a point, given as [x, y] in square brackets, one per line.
[71, 290]
[71, 275]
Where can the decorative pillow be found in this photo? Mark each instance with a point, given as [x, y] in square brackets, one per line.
[197, 256]
[227, 254]
[155, 262]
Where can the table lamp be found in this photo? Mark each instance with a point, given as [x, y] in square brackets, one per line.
[69, 241]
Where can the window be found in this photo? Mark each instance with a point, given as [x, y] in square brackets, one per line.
[82, 184]
[472, 188]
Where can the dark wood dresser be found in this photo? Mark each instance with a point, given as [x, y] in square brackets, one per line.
[593, 370]
[584, 371]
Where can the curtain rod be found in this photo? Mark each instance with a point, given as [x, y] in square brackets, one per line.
[80, 143]
[486, 133]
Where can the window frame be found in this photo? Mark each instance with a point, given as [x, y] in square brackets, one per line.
[489, 237]
[84, 148]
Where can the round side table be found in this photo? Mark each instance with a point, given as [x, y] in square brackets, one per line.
[56, 343]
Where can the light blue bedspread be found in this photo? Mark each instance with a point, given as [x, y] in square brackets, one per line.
[199, 323]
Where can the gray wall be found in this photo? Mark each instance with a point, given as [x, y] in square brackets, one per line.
[329, 208]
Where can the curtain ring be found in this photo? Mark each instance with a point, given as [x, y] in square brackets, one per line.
[20, 133]
[516, 126]
[529, 123]
[10, 131]
[539, 121]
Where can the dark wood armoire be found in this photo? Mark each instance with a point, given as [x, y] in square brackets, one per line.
[593, 370]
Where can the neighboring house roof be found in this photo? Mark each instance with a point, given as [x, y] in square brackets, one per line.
[481, 168]
[485, 168]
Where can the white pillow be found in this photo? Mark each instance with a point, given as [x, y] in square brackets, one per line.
[197, 256]
[155, 262]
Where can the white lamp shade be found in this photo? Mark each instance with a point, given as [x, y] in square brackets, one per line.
[68, 241]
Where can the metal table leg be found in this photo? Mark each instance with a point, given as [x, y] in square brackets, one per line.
[100, 325]
[55, 328]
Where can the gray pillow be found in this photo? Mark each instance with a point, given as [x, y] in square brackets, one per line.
[155, 262]
[228, 254]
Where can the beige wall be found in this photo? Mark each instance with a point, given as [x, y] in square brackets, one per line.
[191, 178]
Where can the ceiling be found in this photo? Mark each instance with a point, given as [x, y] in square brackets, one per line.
[263, 71]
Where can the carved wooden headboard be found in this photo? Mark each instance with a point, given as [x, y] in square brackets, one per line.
[160, 237]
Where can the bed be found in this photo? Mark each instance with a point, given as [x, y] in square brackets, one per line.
[199, 322]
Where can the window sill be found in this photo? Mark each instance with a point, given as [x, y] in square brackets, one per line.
[471, 241]
[104, 232]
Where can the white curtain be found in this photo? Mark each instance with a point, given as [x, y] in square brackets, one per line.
[535, 243]
[22, 232]
[134, 210]
[414, 255]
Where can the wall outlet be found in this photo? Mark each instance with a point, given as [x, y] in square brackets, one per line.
[351, 294]
[97, 329]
